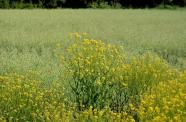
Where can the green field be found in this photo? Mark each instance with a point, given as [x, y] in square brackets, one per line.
[149, 28]
[36, 51]
[24, 32]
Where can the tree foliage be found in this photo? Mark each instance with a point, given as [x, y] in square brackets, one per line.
[87, 3]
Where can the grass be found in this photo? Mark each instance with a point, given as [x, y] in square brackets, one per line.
[28, 37]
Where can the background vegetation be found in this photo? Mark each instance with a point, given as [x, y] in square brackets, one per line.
[89, 3]
[28, 37]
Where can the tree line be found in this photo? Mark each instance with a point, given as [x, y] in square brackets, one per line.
[89, 3]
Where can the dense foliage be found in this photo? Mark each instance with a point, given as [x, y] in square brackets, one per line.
[87, 3]
[98, 83]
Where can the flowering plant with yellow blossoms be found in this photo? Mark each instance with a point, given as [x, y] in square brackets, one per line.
[100, 75]
[91, 65]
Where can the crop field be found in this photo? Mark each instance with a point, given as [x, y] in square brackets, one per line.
[107, 65]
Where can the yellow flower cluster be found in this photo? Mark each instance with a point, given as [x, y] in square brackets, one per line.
[23, 99]
[93, 58]
[165, 102]
[92, 66]
[101, 71]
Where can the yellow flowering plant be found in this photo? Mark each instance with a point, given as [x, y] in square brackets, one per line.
[165, 102]
[100, 75]
[24, 99]
[92, 66]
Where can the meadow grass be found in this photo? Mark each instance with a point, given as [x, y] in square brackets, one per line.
[27, 37]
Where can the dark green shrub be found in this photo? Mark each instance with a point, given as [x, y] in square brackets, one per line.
[4, 4]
